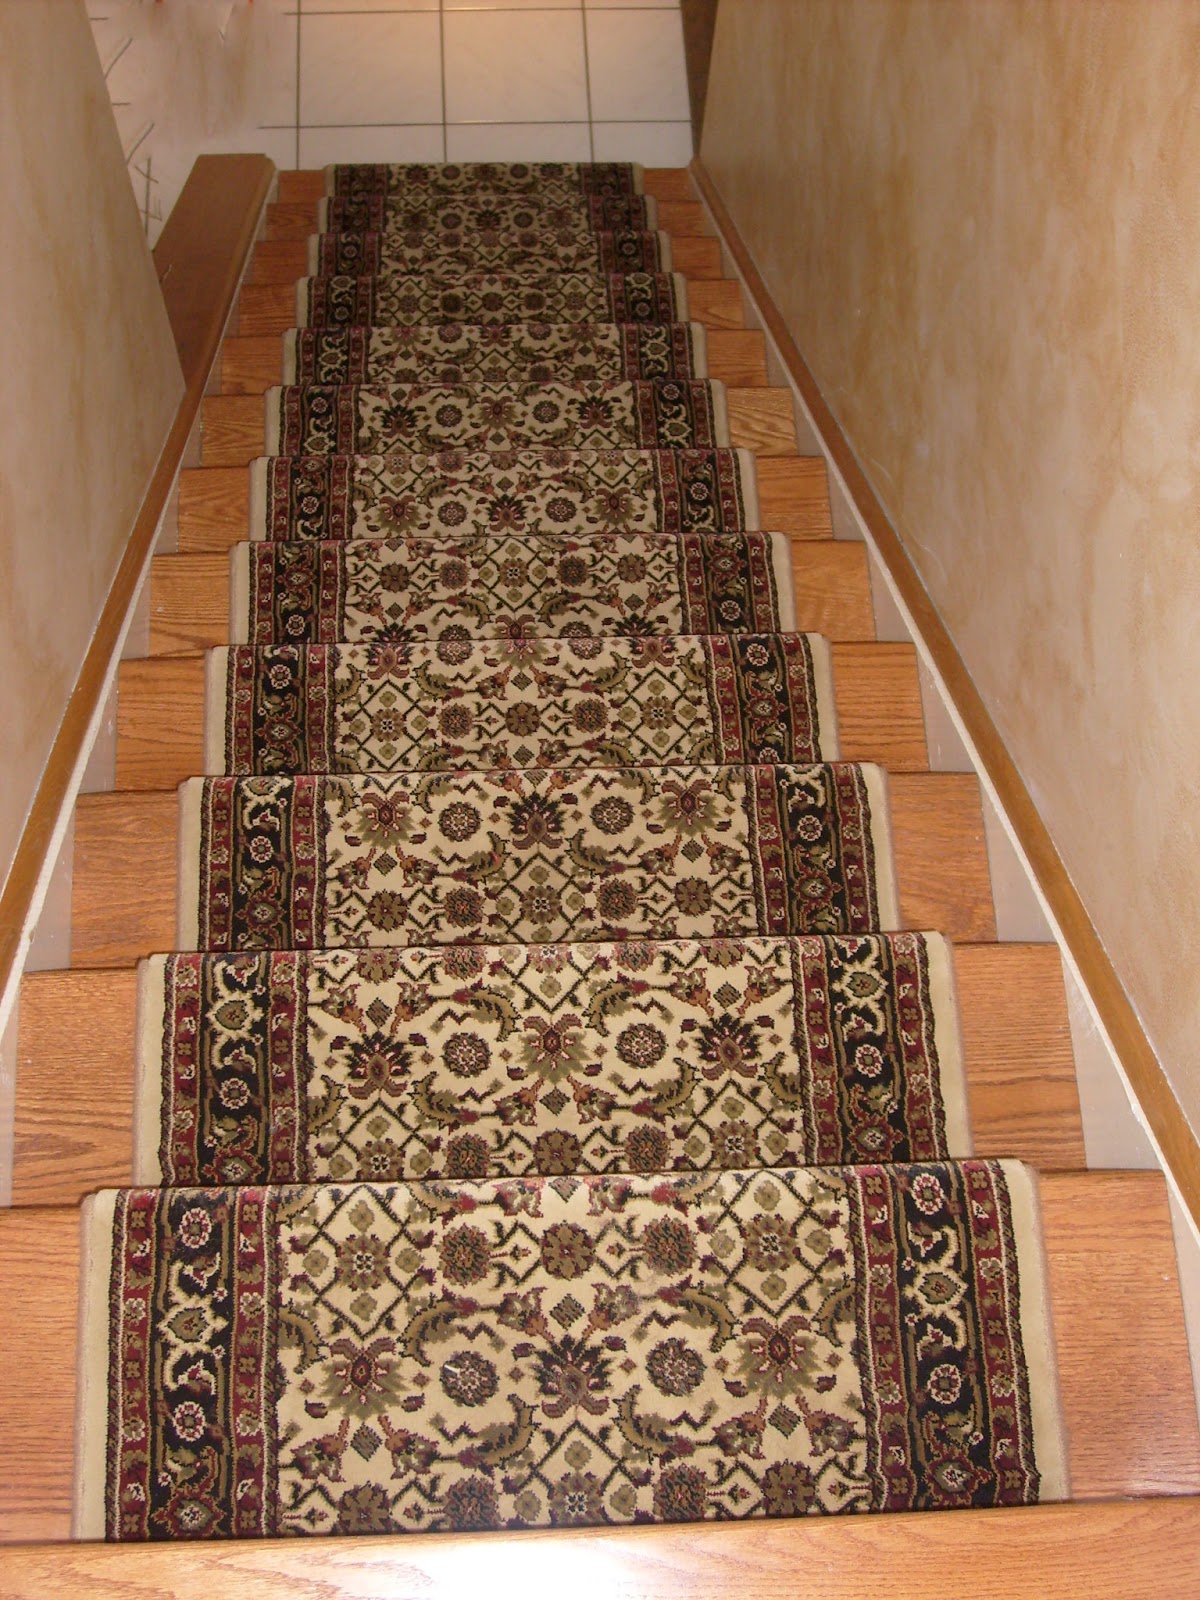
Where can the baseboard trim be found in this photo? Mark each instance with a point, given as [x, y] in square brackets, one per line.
[1164, 1116]
[200, 259]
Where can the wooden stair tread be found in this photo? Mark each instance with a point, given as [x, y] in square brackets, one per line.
[160, 713]
[125, 849]
[1110, 1550]
[1012, 1008]
[664, 183]
[1108, 1239]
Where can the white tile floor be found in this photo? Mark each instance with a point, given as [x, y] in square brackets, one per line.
[312, 81]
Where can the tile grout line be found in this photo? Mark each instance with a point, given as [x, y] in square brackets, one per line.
[442, 65]
[587, 84]
[299, 8]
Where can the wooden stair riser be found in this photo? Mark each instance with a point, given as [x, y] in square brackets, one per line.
[252, 364]
[1016, 1040]
[160, 713]
[233, 427]
[189, 596]
[125, 867]
[1110, 1257]
[214, 502]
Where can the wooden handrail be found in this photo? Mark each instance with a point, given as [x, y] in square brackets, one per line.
[199, 258]
[1164, 1114]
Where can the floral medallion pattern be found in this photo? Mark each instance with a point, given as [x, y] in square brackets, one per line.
[567, 1350]
[549, 180]
[506, 249]
[485, 1061]
[528, 352]
[392, 591]
[411, 219]
[533, 857]
[504, 492]
[580, 701]
[355, 419]
[385, 298]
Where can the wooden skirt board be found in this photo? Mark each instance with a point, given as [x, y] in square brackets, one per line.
[1110, 1261]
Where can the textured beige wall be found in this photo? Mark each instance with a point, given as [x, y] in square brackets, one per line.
[89, 380]
[981, 219]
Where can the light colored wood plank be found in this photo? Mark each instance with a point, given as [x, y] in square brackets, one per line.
[73, 1125]
[879, 710]
[941, 854]
[291, 219]
[697, 258]
[762, 420]
[717, 302]
[1155, 1095]
[278, 261]
[214, 509]
[160, 721]
[39, 1268]
[1123, 1368]
[251, 363]
[266, 308]
[1112, 1286]
[832, 589]
[738, 356]
[233, 430]
[1130, 1550]
[301, 185]
[123, 886]
[793, 496]
[1017, 1045]
[668, 183]
[189, 603]
[684, 219]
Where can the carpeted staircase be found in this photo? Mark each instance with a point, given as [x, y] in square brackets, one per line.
[569, 1078]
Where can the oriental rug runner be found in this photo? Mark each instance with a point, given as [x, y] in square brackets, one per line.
[524, 352]
[503, 492]
[482, 1061]
[534, 857]
[355, 419]
[567, 1350]
[549, 180]
[508, 249]
[478, 218]
[496, 298]
[494, 586]
[577, 701]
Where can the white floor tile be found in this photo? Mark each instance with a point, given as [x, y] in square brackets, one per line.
[518, 141]
[320, 146]
[513, 5]
[631, 5]
[510, 66]
[370, 68]
[654, 144]
[313, 8]
[636, 66]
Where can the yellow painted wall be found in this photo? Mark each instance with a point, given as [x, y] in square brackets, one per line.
[90, 379]
[981, 220]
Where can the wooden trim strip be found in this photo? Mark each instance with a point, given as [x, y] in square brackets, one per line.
[1165, 1116]
[200, 258]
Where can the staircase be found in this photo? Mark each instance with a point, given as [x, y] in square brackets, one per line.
[1123, 1368]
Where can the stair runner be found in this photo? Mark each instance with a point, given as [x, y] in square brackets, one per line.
[541, 1121]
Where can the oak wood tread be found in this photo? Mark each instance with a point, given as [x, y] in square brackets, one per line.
[1016, 1042]
[1110, 1255]
[1106, 1550]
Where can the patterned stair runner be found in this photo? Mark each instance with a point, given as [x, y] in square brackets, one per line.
[535, 250]
[496, 298]
[504, 491]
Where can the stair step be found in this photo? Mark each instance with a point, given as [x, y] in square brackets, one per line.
[189, 596]
[663, 183]
[1110, 1257]
[214, 502]
[253, 363]
[160, 713]
[124, 889]
[1016, 1040]
[233, 426]
[296, 219]
[1107, 1550]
